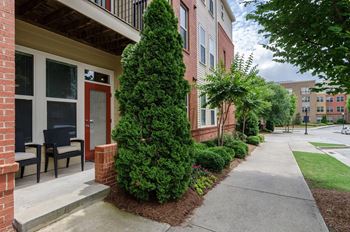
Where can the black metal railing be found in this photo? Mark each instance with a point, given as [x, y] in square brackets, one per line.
[129, 11]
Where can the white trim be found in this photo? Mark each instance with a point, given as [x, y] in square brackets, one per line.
[39, 100]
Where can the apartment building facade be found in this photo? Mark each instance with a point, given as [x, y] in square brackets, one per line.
[61, 61]
[319, 104]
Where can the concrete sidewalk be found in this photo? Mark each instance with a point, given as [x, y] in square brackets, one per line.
[266, 193]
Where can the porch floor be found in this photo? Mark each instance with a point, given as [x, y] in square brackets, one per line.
[49, 175]
[37, 205]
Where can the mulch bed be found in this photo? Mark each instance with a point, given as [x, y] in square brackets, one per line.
[335, 208]
[173, 212]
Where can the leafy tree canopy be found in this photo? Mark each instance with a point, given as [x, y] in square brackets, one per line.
[313, 35]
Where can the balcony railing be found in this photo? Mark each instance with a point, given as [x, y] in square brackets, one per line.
[129, 11]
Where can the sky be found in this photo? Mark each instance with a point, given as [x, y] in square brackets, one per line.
[247, 40]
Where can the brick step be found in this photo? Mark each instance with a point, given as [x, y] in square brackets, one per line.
[41, 204]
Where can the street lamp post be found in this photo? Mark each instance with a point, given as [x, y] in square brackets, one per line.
[343, 119]
[306, 119]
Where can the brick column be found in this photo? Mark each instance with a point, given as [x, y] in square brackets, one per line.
[104, 164]
[8, 167]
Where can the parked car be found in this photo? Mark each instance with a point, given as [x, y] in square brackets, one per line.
[346, 130]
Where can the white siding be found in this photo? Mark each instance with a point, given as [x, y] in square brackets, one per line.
[225, 22]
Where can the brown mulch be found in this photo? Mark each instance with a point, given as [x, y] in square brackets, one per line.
[173, 212]
[335, 208]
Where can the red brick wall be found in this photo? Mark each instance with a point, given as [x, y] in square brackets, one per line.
[335, 114]
[190, 55]
[104, 164]
[8, 167]
[225, 44]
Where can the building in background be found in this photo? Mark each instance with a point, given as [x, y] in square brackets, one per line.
[318, 105]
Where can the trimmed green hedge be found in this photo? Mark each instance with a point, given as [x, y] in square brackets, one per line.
[261, 138]
[223, 152]
[254, 140]
[210, 160]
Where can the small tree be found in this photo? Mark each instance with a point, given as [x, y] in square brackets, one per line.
[222, 90]
[154, 142]
[324, 119]
[297, 119]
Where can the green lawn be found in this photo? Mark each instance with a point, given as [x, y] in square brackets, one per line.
[323, 171]
[325, 145]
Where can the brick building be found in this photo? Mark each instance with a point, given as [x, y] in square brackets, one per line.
[61, 61]
[318, 105]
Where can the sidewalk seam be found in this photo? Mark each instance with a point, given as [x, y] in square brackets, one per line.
[276, 194]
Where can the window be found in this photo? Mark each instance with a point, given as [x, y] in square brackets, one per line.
[304, 109]
[24, 66]
[62, 115]
[319, 99]
[224, 58]
[202, 45]
[340, 98]
[211, 53]
[290, 91]
[203, 110]
[61, 80]
[320, 109]
[184, 25]
[211, 7]
[222, 11]
[340, 108]
[305, 90]
[61, 90]
[305, 99]
[207, 115]
[329, 109]
[187, 105]
[329, 99]
[96, 76]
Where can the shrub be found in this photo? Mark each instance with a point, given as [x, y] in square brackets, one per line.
[261, 138]
[240, 136]
[211, 143]
[252, 125]
[155, 147]
[340, 121]
[297, 119]
[270, 125]
[210, 160]
[324, 119]
[223, 152]
[254, 140]
[199, 146]
[202, 183]
[239, 147]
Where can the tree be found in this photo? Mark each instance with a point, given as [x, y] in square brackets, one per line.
[313, 35]
[154, 143]
[292, 109]
[253, 101]
[222, 89]
[324, 119]
[297, 119]
[279, 113]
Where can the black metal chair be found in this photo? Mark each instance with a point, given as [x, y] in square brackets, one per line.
[58, 146]
[24, 158]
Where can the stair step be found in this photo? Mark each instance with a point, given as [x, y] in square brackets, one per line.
[41, 204]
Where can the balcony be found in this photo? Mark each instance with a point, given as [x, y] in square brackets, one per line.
[109, 25]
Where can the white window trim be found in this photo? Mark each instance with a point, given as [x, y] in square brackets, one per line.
[207, 112]
[204, 45]
[187, 24]
[39, 100]
[212, 52]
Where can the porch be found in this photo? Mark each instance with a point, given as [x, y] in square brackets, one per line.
[37, 205]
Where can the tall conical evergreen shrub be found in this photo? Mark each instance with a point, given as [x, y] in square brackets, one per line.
[154, 142]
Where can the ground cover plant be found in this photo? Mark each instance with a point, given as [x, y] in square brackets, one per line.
[329, 182]
[254, 140]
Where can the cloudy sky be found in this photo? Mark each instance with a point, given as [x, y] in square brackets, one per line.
[247, 40]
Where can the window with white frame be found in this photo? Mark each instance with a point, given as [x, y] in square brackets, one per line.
[211, 53]
[340, 98]
[187, 105]
[202, 49]
[329, 109]
[305, 108]
[207, 115]
[320, 109]
[340, 108]
[211, 7]
[305, 90]
[320, 99]
[61, 93]
[329, 99]
[184, 25]
[222, 11]
[24, 90]
[305, 99]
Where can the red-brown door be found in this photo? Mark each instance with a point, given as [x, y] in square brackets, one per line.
[97, 117]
